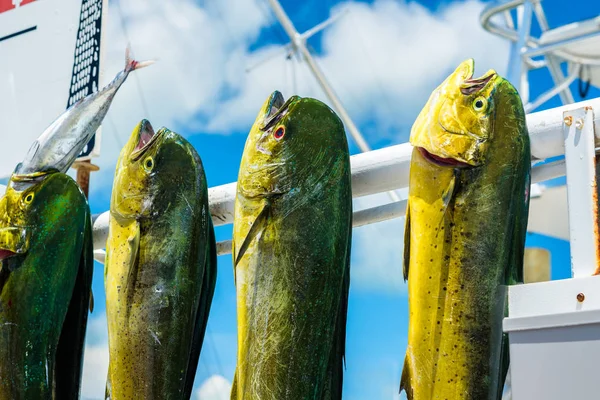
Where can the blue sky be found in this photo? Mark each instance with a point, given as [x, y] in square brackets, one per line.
[384, 57]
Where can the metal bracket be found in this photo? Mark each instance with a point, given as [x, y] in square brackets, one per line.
[579, 139]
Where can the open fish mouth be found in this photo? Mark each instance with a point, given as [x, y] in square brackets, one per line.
[471, 86]
[6, 254]
[277, 109]
[14, 240]
[147, 137]
[442, 161]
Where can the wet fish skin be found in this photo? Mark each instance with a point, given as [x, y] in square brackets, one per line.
[46, 265]
[160, 269]
[465, 235]
[61, 143]
[291, 252]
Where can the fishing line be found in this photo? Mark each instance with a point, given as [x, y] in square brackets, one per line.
[114, 131]
[294, 81]
[135, 76]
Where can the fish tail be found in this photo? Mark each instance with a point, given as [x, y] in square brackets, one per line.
[131, 64]
[405, 381]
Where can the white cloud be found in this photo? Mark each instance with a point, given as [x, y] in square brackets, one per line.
[385, 58]
[214, 388]
[95, 362]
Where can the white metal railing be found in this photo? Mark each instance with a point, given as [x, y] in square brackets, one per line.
[554, 46]
[386, 169]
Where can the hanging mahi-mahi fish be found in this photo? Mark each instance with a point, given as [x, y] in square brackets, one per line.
[291, 252]
[465, 234]
[160, 269]
[46, 264]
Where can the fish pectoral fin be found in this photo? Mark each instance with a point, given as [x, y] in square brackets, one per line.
[406, 259]
[448, 193]
[405, 381]
[255, 230]
[134, 244]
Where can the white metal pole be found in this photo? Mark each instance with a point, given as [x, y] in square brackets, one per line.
[581, 190]
[222, 199]
[517, 72]
[299, 42]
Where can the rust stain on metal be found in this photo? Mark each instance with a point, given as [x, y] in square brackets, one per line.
[588, 108]
[580, 297]
[595, 196]
[595, 216]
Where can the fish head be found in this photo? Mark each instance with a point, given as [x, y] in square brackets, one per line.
[154, 166]
[132, 193]
[289, 143]
[455, 126]
[35, 203]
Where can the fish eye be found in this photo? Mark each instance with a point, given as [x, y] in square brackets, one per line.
[28, 198]
[148, 164]
[279, 133]
[479, 104]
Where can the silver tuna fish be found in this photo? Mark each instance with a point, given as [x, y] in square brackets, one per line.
[61, 143]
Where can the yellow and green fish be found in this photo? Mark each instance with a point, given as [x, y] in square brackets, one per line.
[160, 269]
[465, 235]
[291, 253]
[46, 265]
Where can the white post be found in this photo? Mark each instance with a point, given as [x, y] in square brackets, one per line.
[580, 158]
